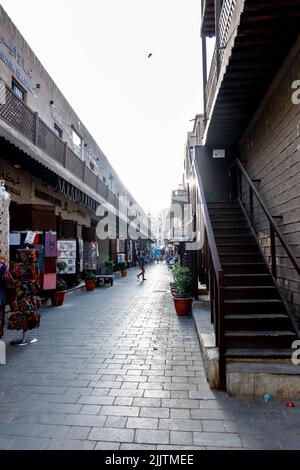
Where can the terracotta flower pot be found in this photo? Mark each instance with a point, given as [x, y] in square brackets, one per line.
[124, 273]
[183, 306]
[58, 298]
[90, 285]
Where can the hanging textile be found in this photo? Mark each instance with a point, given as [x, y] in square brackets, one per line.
[50, 245]
[26, 302]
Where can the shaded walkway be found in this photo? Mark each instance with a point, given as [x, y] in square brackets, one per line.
[116, 369]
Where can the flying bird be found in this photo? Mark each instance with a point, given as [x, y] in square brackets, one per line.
[150, 55]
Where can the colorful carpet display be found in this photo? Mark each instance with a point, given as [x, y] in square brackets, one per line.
[25, 301]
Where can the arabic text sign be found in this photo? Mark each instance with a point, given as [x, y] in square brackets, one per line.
[19, 68]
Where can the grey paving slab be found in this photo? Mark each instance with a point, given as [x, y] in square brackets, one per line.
[29, 443]
[118, 369]
[116, 422]
[181, 438]
[137, 447]
[5, 442]
[149, 412]
[70, 444]
[107, 446]
[142, 423]
[111, 435]
[152, 437]
[217, 439]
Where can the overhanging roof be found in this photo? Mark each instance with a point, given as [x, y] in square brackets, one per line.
[267, 31]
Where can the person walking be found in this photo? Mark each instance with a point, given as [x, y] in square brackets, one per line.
[142, 267]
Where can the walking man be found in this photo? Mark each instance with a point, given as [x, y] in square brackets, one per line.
[142, 267]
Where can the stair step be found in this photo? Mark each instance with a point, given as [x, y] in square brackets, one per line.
[257, 321]
[259, 339]
[226, 247]
[215, 219]
[255, 334]
[232, 231]
[232, 280]
[229, 224]
[254, 257]
[235, 236]
[253, 305]
[225, 203]
[247, 353]
[251, 292]
[245, 268]
[255, 316]
[263, 368]
[231, 216]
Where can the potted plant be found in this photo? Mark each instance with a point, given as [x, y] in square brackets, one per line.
[61, 286]
[181, 290]
[123, 268]
[109, 266]
[90, 282]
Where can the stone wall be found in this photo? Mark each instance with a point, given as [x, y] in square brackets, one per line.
[271, 147]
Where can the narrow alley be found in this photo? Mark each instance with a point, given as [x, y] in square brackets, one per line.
[117, 369]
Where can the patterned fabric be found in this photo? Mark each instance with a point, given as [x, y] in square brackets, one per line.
[50, 245]
[49, 282]
[25, 302]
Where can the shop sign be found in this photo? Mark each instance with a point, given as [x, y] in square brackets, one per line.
[14, 191]
[6, 176]
[47, 197]
[16, 63]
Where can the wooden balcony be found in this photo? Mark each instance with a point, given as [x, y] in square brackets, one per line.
[208, 17]
[20, 117]
[253, 39]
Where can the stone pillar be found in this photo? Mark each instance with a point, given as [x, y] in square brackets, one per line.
[4, 249]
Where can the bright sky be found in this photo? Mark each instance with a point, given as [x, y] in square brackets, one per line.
[137, 109]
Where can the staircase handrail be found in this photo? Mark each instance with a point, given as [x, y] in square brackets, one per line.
[210, 234]
[284, 244]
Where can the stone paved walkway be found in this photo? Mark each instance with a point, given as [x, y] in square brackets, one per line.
[116, 369]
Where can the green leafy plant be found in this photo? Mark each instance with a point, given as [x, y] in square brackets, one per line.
[61, 285]
[61, 266]
[183, 281]
[109, 266]
[123, 266]
[90, 277]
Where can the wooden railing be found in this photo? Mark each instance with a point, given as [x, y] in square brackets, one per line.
[213, 267]
[223, 35]
[19, 116]
[239, 176]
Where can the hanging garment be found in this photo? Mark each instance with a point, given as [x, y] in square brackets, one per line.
[49, 282]
[24, 301]
[49, 265]
[50, 245]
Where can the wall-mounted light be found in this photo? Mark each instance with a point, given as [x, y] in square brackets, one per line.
[52, 104]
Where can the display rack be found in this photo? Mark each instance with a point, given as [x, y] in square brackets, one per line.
[25, 302]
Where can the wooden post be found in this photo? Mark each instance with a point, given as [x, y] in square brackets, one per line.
[204, 76]
[218, 7]
[221, 333]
